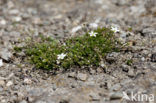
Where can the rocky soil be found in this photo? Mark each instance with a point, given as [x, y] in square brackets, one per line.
[132, 69]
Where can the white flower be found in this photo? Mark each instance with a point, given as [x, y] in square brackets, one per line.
[115, 29]
[93, 33]
[61, 56]
[1, 62]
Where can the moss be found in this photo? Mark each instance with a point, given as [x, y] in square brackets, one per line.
[130, 29]
[80, 51]
[17, 49]
[129, 62]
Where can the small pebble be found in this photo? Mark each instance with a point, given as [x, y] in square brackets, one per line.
[131, 73]
[142, 59]
[153, 57]
[14, 11]
[1, 62]
[9, 83]
[23, 101]
[46, 102]
[1, 89]
[75, 29]
[10, 4]
[27, 81]
[125, 68]
[37, 21]
[99, 70]
[94, 97]
[116, 87]
[17, 19]
[3, 101]
[116, 96]
[2, 22]
[72, 74]
[5, 54]
[82, 76]
[30, 99]
[2, 82]
[92, 71]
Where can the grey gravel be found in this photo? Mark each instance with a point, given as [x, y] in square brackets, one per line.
[20, 82]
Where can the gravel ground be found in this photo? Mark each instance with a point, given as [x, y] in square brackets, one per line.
[21, 83]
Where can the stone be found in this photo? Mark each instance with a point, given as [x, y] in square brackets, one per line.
[2, 22]
[10, 75]
[41, 101]
[143, 59]
[3, 101]
[64, 101]
[125, 68]
[131, 73]
[112, 57]
[75, 29]
[82, 76]
[2, 82]
[14, 97]
[1, 89]
[27, 81]
[116, 87]
[1, 62]
[23, 101]
[121, 2]
[20, 95]
[109, 84]
[14, 12]
[153, 57]
[116, 96]
[99, 70]
[99, 1]
[31, 11]
[123, 35]
[31, 99]
[5, 54]
[94, 96]
[9, 83]
[37, 21]
[10, 4]
[92, 71]
[72, 74]
[148, 32]
[16, 19]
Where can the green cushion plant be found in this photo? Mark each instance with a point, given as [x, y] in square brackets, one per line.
[86, 50]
